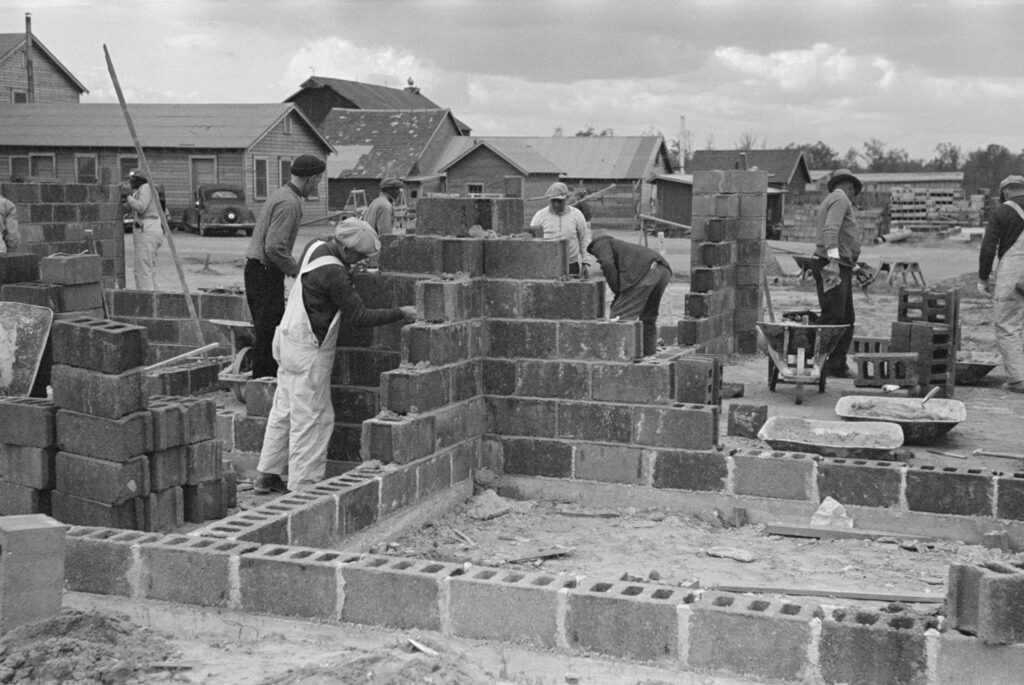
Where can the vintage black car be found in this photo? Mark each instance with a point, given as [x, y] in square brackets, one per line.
[219, 208]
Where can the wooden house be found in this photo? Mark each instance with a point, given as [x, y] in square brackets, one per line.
[186, 145]
[29, 72]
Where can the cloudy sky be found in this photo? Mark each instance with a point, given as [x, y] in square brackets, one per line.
[909, 73]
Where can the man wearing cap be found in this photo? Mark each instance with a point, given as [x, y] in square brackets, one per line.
[321, 300]
[381, 212]
[148, 235]
[1003, 239]
[838, 249]
[561, 221]
[10, 237]
[269, 257]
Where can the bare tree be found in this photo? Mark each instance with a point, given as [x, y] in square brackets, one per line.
[748, 141]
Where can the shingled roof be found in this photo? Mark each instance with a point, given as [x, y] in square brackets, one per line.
[231, 126]
[782, 165]
[379, 143]
[11, 42]
[515, 151]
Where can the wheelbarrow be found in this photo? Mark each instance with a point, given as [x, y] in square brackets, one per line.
[797, 352]
[921, 424]
[867, 440]
[240, 333]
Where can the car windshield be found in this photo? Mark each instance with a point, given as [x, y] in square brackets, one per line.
[222, 194]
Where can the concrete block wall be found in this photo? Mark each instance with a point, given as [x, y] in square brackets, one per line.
[756, 637]
[54, 217]
[727, 262]
[455, 216]
[28, 453]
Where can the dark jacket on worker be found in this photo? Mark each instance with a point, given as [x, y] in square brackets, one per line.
[1004, 229]
[328, 289]
[623, 263]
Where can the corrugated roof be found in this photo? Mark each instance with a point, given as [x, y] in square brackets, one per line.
[9, 42]
[379, 143]
[515, 151]
[781, 165]
[232, 126]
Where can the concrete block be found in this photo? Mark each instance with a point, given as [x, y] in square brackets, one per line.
[18, 267]
[754, 637]
[750, 252]
[986, 600]
[455, 216]
[462, 256]
[358, 504]
[648, 382]
[1010, 496]
[703, 305]
[259, 396]
[410, 254]
[542, 378]
[117, 439]
[448, 300]
[561, 300]
[747, 276]
[354, 404]
[290, 581]
[714, 229]
[18, 499]
[101, 394]
[99, 560]
[83, 297]
[438, 344]
[167, 467]
[38, 294]
[521, 416]
[964, 659]
[698, 379]
[745, 420]
[28, 421]
[30, 467]
[465, 459]
[200, 418]
[535, 457]
[617, 341]
[230, 483]
[594, 421]
[433, 475]
[513, 339]
[106, 482]
[249, 432]
[499, 376]
[170, 424]
[32, 551]
[860, 482]
[858, 646]
[525, 258]
[950, 490]
[412, 389]
[624, 620]
[165, 510]
[690, 470]
[203, 462]
[71, 269]
[694, 331]
[712, 254]
[501, 299]
[205, 562]
[706, 279]
[609, 463]
[130, 514]
[777, 475]
[688, 426]
[458, 422]
[492, 604]
[750, 229]
[394, 593]
[204, 501]
[466, 380]
[397, 441]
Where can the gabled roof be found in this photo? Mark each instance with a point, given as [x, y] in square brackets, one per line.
[579, 157]
[782, 165]
[369, 96]
[95, 125]
[382, 142]
[515, 151]
[11, 42]
[687, 180]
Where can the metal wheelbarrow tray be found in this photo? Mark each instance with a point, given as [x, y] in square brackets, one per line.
[862, 440]
[921, 425]
[797, 352]
[969, 373]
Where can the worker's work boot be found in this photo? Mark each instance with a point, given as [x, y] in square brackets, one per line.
[268, 482]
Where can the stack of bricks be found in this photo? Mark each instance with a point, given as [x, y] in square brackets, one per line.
[28, 450]
[727, 261]
[940, 309]
[55, 218]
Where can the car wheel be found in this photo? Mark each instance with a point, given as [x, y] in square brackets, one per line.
[248, 232]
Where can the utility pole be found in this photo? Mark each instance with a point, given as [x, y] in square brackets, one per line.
[30, 91]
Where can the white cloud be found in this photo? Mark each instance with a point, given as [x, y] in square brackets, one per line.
[821, 65]
[338, 58]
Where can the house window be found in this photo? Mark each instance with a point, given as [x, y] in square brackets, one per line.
[287, 125]
[475, 188]
[19, 167]
[19, 95]
[285, 163]
[261, 183]
[125, 165]
[42, 166]
[86, 169]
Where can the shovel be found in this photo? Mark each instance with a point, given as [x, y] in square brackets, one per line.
[931, 393]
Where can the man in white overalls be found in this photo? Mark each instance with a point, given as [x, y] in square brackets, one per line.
[321, 299]
[1003, 238]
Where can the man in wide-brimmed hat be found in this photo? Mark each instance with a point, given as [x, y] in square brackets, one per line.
[381, 212]
[1003, 239]
[560, 220]
[837, 252]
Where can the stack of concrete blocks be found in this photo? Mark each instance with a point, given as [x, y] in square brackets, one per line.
[103, 428]
[727, 262]
[28, 451]
[69, 219]
[32, 550]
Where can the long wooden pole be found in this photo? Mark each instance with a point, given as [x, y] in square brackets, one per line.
[152, 184]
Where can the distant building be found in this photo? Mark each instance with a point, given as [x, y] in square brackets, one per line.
[878, 187]
[248, 145]
[50, 82]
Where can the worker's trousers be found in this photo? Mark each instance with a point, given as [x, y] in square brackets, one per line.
[643, 300]
[836, 310]
[1008, 310]
[147, 240]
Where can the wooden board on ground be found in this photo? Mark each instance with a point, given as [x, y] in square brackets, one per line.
[915, 598]
[839, 533]
[24, 330]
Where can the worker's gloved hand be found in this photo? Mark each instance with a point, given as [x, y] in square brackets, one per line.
[830, 275]
[408, 313]
[985, 288]
[833, 253]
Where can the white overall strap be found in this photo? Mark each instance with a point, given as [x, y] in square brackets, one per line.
[308, 266]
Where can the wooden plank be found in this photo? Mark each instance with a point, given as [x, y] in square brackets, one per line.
[914, 598]
[838, 533]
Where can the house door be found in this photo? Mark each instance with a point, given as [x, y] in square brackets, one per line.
[204, 171]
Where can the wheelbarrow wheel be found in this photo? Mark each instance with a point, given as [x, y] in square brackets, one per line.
[241, 364]
[773, 375]
[799, 399]
[821, 380]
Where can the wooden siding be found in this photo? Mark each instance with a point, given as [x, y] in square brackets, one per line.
[277, 144]
[316, 103]
[675, 202]
[435, 149]
[51, 84]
